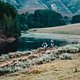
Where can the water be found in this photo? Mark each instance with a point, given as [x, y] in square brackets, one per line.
[31, 41]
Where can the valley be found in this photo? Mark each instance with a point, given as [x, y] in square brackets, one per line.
[39, 40]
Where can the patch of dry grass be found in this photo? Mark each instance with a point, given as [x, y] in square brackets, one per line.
[56, 70]
[67, 29]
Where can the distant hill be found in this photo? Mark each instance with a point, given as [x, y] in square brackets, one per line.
[65, 7]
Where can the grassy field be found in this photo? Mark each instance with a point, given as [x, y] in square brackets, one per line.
[56, 70]
[67, 29]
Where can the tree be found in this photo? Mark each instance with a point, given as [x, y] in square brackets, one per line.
[8, 23]
[10, 27]
[76, 19]
[30, 21]
[6, 8]
[22, 21]
[44, 18]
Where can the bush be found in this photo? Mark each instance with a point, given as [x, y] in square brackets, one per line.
[65, 56]
[43, 59]
[69, 48]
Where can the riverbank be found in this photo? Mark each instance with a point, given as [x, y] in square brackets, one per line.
[69, 33]
[8, 44]
[34, 38]
[54, 36]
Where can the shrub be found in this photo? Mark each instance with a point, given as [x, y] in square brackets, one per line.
[65, 56]
[4, 57]
[69, 48]
[18, 68]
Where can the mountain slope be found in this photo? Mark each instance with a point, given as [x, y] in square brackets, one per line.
[61, 8]
[73, 5]
[66, 7]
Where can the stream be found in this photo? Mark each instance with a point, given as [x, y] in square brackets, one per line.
[29, 41]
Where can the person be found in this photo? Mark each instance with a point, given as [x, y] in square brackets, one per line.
[52, 43]
[44, 45]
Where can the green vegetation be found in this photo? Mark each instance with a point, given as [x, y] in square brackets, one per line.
[76, 19]
[11, 23]
[22, 21]
[6, 8]
[8, 23]
[41, 18]
[44, 18]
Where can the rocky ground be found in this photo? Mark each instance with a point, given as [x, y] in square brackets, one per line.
[62, 63]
